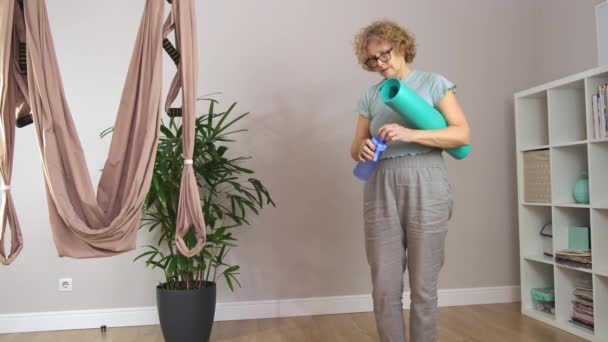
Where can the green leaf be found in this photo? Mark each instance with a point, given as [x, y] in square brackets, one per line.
[229, 281]
[210, 116]
[106, 132]
[207, 254]
[156, 264]
[235, 279]
[167, 132]
[145, 254]
[225, 115]
[182, 263]
[232, 269]
[221, 150]
[154, 226]
[230, 276]
[172, 265]
[162, 197]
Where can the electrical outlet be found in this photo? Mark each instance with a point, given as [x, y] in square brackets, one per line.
[65, 284]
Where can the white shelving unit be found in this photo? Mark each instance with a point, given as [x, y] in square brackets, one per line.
[557, 117]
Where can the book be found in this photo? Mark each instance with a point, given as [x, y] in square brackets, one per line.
[595, 116]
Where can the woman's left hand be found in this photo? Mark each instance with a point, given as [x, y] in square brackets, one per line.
[395, 132]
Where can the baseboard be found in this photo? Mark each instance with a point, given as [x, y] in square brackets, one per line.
[88, 319]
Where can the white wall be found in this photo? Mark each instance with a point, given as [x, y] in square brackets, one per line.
[292, 65]
[565, 35]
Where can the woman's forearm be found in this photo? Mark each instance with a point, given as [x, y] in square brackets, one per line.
[355, 148]
[449, 137]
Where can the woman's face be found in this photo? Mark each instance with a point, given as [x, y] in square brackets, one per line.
[384, 58]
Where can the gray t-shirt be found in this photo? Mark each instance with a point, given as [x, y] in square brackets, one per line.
[430, 86]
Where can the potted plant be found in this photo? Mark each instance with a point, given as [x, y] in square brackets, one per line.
[186, 298]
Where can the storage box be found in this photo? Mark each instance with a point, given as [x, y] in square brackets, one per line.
[537, 177]
[543, 299]
[579, 238]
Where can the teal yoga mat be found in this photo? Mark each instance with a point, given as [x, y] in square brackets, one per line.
[416, 111]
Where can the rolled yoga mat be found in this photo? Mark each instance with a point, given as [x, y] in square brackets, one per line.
[416, 111]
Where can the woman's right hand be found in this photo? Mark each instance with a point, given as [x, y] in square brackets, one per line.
[366, 150]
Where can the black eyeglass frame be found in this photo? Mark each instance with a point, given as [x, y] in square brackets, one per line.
[385, 56]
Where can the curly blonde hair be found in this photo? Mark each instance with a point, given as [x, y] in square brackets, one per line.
[389, 31]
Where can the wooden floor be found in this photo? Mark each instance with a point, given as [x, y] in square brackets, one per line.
[479, 323]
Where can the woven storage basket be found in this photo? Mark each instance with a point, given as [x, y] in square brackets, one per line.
[537, 177]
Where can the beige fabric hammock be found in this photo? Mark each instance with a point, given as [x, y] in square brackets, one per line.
[85, 224]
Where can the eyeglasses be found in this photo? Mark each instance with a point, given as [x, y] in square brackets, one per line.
[385, 56]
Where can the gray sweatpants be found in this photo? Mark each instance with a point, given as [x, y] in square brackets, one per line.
[407, 205]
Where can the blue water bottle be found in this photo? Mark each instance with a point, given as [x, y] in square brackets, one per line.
[365, 169]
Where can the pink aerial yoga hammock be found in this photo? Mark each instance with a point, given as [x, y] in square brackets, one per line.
[85, 224]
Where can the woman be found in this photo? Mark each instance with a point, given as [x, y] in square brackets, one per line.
[408, 200]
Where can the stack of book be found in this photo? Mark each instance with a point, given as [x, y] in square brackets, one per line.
[574, 258]
[599, 104]
[582, 313]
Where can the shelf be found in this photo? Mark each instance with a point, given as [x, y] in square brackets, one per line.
[563, 144]
[568, 163]
[563, 218]
[598, 173]
[572, 205]
[534, 148]
[600, 285]
[599, 141]
[566, 281]
[571, 328]
[599, 236]
[539, 315]
[566, 109]
[556, 145]
[601, 274]
[532, 220]
[600, 205]
[536, 204]
[581, 331]
[576, 269]
[591, 85]
[545, 259]
[572, 143]
[532, 120]
[534, 275]
[564, 205]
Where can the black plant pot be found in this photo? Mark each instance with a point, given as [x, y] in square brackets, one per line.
[186, 315]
